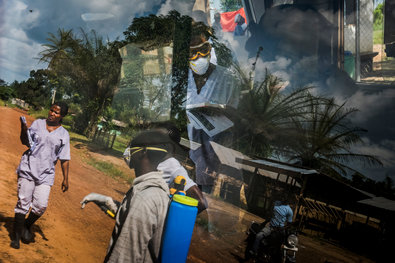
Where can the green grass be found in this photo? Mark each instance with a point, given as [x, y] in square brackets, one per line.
[378, 33]
[378, 37]
[39, 114]
[121, 142]
[75, 136]
[109, 169]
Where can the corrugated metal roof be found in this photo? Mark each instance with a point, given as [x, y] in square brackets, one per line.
[189, 144]
[380, 202]
[280, 177]
[285, 167]
[228, 157]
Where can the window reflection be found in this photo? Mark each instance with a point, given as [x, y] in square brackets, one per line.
[264, 95]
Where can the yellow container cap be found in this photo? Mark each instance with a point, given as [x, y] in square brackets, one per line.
[186, 200]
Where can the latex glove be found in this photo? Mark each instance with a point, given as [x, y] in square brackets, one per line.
[100, 200]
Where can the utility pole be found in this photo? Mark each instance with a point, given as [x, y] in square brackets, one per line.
[252, 72]
[357, 42]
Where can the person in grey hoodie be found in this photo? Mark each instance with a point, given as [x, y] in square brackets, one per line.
[140, 217]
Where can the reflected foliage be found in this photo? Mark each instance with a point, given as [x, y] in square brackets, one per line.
[231, 5]
[325, 138]
[267, 114]
[154, 33]
[379, 188]
[308, 130]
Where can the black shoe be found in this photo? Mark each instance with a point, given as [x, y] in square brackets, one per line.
[15, 243]
[251, 253]
[19, 223]
[27, 236]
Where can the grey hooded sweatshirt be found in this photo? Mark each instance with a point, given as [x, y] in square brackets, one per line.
[140, 220]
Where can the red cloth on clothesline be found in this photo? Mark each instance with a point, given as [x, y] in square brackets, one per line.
[228, 19]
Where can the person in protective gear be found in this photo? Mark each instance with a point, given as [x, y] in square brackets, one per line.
[106, 203]
[213, 85]
[140, 217]
[48, 142]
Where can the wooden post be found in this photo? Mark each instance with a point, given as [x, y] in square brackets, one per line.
[108, 139]
[94, 135]
[304, 183]
[278, 176]
[251, 188]
[113, 139]
[99, 134]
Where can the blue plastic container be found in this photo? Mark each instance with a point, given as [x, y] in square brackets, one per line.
[178, 230]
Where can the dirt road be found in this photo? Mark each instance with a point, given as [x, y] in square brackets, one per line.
[66, 233]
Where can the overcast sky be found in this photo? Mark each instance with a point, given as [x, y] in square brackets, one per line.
[24, 27]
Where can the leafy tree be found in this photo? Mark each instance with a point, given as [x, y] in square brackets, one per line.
[325, 138]
[36, 90]
[231, 5]
[379, 188]
[145, 86]
[90, 67]
[310, 130]
[378, 14]
[6, 92]
[60, 48]
[266, 115]
[152, 31]
[155, 32]
[358, 180]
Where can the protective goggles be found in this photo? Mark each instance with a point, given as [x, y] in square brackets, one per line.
[127, 154]
[134, 150]
[201, 50]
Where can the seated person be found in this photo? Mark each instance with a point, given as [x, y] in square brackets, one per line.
[282, 215]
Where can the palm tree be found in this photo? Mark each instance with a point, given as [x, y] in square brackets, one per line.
[57, 51]
[324, 140]
[90, 66]
[266, 114]
[309, 130]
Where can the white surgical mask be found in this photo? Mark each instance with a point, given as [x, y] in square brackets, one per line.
[200, 65]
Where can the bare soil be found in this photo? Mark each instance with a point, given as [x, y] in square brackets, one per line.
[67, 233]
[383, 68]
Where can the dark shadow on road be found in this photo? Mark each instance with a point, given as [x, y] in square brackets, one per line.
[8, 224]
